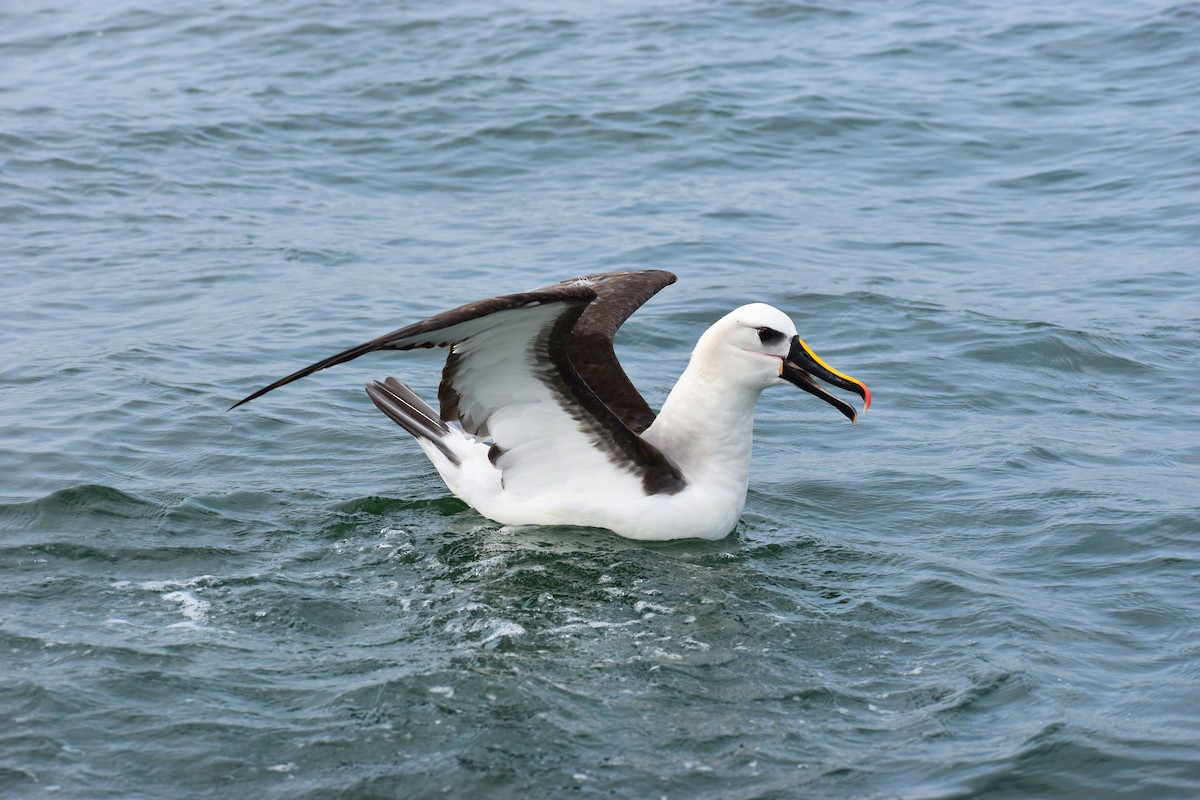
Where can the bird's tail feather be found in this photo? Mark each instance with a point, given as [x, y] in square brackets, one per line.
[402, 405]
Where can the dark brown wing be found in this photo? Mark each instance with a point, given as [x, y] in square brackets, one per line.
[439, 330]
[514, 350]
[590, 345]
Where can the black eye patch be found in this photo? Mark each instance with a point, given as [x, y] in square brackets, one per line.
[770, 336]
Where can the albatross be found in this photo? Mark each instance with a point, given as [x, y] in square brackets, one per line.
[539, 425]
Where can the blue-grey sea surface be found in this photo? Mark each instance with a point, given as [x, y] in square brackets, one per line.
[989, 587]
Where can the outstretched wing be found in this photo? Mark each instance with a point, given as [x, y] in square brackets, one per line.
[590, 345]
[509, 376]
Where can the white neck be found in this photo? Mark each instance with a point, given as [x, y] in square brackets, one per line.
[705, 427]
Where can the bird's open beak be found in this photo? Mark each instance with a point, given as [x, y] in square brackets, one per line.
[802, 365]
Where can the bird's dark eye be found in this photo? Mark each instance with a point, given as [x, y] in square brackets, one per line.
[769, 336]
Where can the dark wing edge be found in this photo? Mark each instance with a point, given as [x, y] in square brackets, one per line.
[610, 432]
[606, 430]
[590, 344]
[581, 367]
[422, 334]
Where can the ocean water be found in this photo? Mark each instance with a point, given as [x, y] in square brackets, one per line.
[988, 587]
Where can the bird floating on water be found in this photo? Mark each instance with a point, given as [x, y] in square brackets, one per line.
[539, 425]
